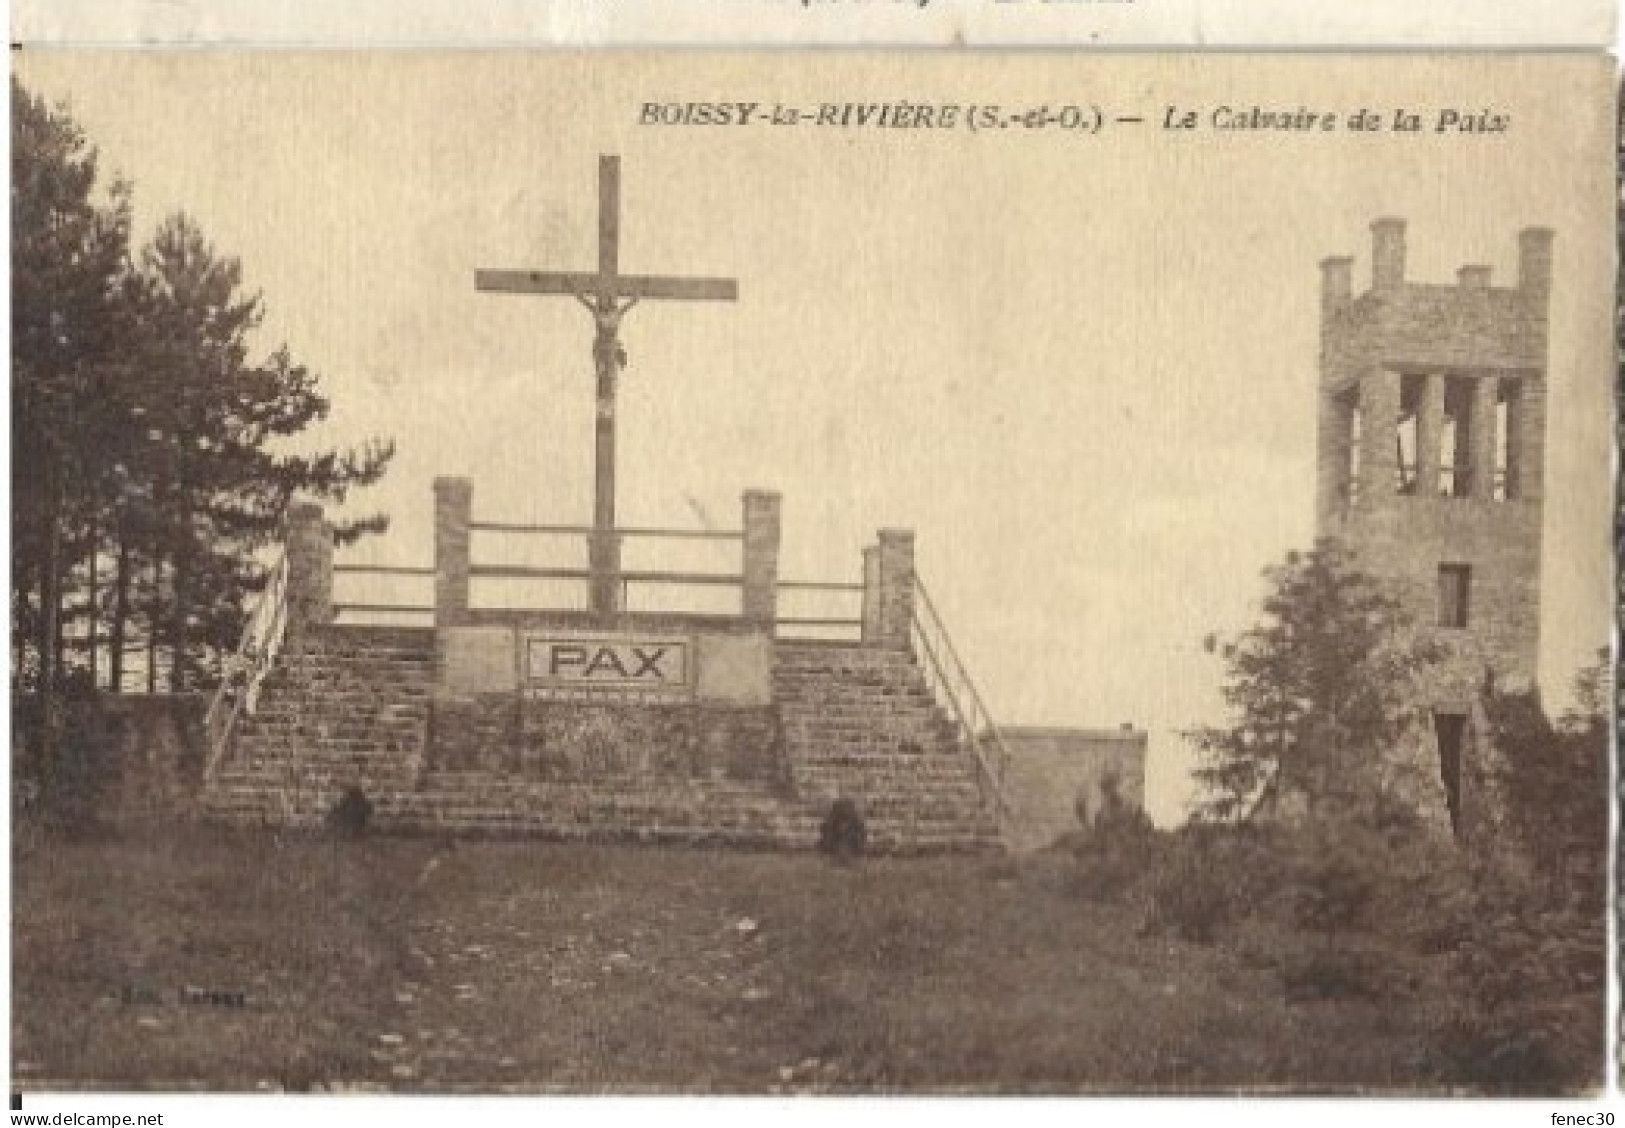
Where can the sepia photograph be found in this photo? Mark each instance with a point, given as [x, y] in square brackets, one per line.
[840, 573]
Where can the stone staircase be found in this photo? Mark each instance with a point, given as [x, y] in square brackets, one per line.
[860, 723]
[346, 705]
[611, 809]
[350, 706]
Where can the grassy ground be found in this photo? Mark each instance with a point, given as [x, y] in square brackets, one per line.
[424, 965]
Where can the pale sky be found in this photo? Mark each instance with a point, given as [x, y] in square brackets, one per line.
[1082, 368]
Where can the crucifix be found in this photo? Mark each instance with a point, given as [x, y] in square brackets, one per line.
[607, 295]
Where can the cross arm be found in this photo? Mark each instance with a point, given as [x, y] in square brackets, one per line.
[620, 286]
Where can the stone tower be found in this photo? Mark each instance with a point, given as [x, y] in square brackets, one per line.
[1432, 432]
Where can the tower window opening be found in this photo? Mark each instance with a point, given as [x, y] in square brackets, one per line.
[1498, 481]
[1405, 436]
[1351, 462]
[1448, 729]
[1455, 440]
[1508, 443]
[1454, 583]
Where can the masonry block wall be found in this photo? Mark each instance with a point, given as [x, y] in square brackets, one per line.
[346, 706]
[462, 727]
[1432, 431]
[1432, 443]
[140, 756]
[1053, 772]
[491, 714]
[310, 568]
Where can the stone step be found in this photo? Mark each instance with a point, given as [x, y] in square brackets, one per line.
[345, 672]
[963, 783]
[944, 762]
[837, 755]
[251, 747]
[859, 708]
[791, 652]
[857, 751]
[955, 800]
[785, 827]
[815, 681]
[287, 720]
[895, 738]
[272, 765]
[923, 734]
[408, 660]
[355, 681]
[437, 811]
[343, 667]
[339, 731]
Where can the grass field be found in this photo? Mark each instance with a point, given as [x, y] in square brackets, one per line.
[238, 961]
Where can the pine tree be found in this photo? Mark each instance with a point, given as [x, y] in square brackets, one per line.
[1318, 691]
[218, 426]
[153, 456]
[69, 260]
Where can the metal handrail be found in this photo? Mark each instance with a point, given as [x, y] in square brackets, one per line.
[950, 680]
[246, 670]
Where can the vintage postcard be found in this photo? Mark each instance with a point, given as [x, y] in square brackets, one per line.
[838, 573]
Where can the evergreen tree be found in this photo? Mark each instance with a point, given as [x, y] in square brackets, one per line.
[69, 270]
[1318, 692]
[218, 427]
[153, 456]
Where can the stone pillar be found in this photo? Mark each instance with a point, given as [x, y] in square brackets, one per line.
[896, 566]
[310, 567]
[871, 596]
[1335, 425]
[1387, 255]
[1336, 287]
[453, 509]
[761, 564]
[1535, 266]
[1379, 421]
[1429, 433]
[1481, 434]
[1529, 434]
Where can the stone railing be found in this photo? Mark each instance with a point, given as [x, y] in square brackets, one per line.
[877, 611]
[603, 583]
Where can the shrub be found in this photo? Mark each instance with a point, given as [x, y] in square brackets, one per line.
[1254, 861]
[843, 833]
[1192, 898]
[1115, 846]
[74, 796]
[1104, 873]
[352, 813]
[1333, 890]
[1531, 988]
[1423, 897]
